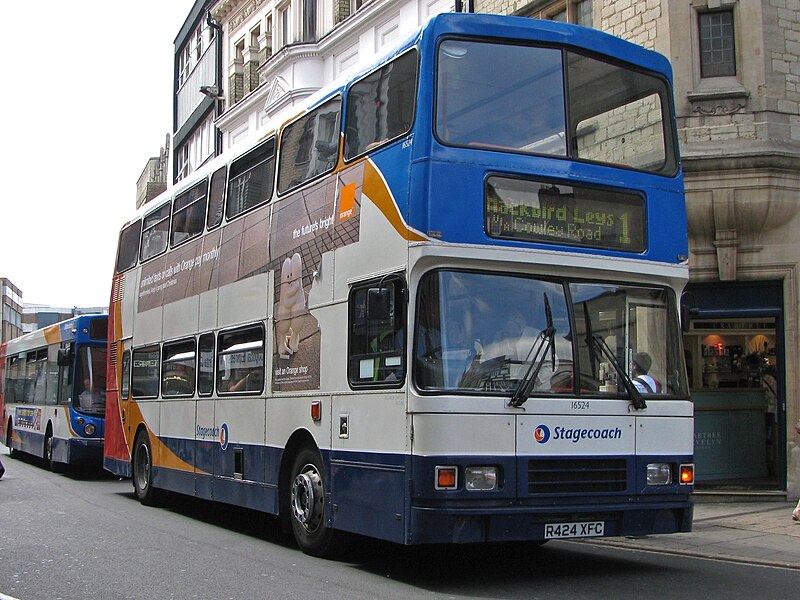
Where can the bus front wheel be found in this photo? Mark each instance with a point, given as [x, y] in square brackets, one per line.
[143, 472]
[54, 466]
[307, 504]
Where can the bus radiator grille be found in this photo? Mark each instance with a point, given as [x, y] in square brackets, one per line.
[568, 476]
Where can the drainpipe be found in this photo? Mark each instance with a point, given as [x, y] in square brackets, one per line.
[217, 78]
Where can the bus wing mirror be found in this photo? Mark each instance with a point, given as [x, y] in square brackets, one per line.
[379, 304]
[64, 357]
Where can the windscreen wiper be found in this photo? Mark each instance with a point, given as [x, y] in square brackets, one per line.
[595, 341]
[542, 345]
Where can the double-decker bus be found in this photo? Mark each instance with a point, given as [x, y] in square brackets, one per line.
[53, 392]
[438, 304]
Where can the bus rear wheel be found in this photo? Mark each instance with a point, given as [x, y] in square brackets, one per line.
[9, 435]
[143, 472]
[307, 504]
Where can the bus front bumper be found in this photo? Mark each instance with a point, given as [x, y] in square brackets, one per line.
[434, 525]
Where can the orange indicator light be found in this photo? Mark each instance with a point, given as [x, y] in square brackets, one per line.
[316, 411]
[687, 474]
[446, 478]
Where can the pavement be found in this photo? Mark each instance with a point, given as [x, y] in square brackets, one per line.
[751, 532]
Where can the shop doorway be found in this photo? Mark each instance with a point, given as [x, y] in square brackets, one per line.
[734, 356]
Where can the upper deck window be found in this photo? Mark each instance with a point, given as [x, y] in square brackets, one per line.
[309, 146]
[188, 214]
[513, 98]
[251, 179]
[155, 232]
[128, 249]
[380, 107]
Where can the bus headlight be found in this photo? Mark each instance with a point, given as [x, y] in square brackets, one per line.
[659, 474]
[480, 478]
[89, 429]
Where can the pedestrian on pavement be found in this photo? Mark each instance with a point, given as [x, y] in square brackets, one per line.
[2, 469]
[796, 512]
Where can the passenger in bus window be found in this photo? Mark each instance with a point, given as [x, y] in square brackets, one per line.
[640, 365]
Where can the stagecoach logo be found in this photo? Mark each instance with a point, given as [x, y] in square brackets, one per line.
[28, 418]
[214, 433]
[575, 435]
[223, 436]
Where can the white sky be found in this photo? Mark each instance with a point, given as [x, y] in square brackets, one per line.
[87, 100]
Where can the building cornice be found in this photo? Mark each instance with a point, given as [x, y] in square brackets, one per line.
[767, 159]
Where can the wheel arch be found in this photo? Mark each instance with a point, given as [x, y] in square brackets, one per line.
[299, 439]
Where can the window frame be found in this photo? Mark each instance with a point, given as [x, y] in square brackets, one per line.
[149, 228]
[355, 360]
[219, 353]
[346, 106]
[702, 65]
[548, 10]
[300, 121]
[186, 209]
[252, 156]
[146, 349]
[220, 214]
[165, 361]
[122, 238]
[671, 161]
[204, 336]
[125, 376]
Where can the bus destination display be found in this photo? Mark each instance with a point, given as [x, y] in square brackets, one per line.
[534, 211]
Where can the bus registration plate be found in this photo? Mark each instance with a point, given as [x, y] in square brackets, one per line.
[573, 530]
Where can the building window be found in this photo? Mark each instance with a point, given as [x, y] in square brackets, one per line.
[284, 30]
[717, 50]
[309, 20]
[182, 168]
[578, 12]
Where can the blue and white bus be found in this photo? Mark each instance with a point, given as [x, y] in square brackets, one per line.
[52, 399]
[437, 305]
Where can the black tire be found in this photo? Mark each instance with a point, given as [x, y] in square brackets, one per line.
[9, 434]
[47, 453]
[306, 505]
[142, 465]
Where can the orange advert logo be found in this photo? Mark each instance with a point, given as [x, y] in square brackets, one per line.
[347, 201]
